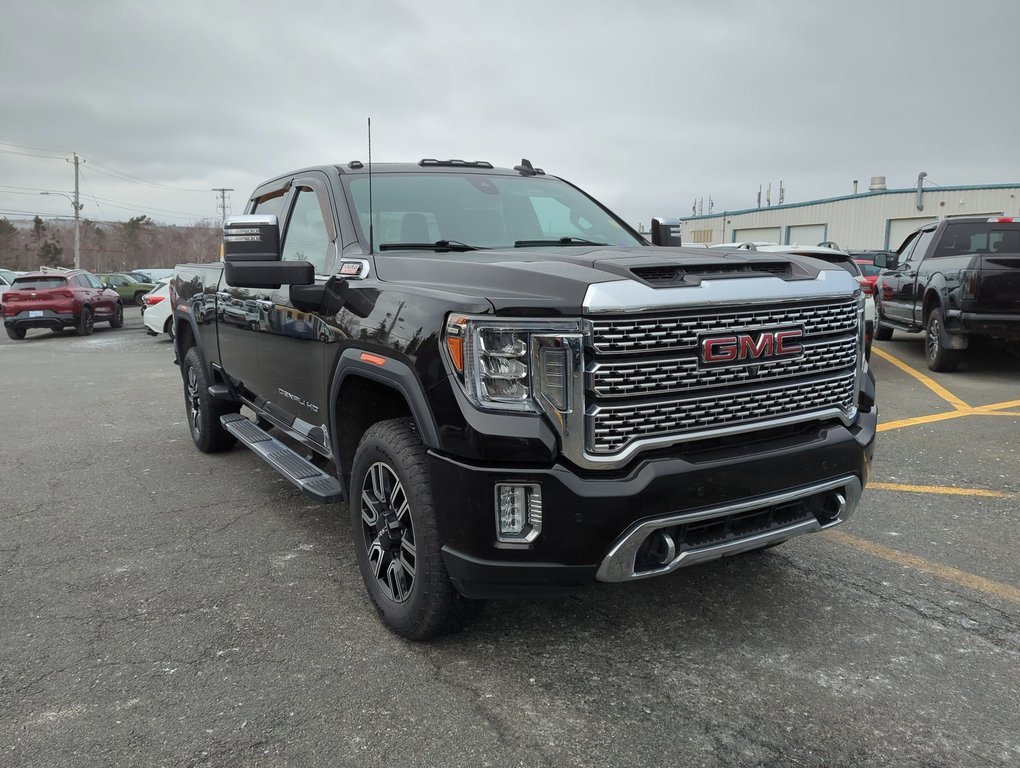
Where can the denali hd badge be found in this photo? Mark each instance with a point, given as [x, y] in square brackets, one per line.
[749, 348]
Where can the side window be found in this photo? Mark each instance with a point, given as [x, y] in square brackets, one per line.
[272, 204]
[94, 281]
[307, 238]
[923, 241]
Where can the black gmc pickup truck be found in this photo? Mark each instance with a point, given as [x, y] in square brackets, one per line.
[512, 390]
[953, 279]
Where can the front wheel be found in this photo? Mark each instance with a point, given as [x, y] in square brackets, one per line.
[140, 297]
[396, 538]
[882, 332]
[203, 410]
[939, 357]
[85, 322]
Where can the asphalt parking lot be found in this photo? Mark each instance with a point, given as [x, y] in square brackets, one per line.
[162, 607]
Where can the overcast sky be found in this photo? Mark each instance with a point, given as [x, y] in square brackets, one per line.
[647, 105]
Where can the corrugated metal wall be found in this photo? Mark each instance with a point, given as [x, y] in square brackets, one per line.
[866, 220]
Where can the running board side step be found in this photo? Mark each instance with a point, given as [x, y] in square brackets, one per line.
[312, 481]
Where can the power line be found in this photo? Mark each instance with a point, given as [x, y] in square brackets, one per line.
[134, 179]
[36, 149]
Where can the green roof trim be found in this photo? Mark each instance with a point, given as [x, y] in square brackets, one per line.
[858, 196]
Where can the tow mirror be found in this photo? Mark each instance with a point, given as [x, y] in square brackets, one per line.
[886, 260]
[666, 231]
[251, 238]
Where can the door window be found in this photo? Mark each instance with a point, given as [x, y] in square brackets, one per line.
[307, 238]
[921, 243]
[94, 281]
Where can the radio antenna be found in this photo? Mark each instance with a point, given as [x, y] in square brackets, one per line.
[371, 213]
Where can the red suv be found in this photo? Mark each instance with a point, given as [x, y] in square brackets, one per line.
[56, 300]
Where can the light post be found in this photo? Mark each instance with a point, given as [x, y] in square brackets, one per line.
[77, 205]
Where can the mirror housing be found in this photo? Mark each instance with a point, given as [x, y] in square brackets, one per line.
[251, 238]
[886, 260]
[666, 231]
[268, 274]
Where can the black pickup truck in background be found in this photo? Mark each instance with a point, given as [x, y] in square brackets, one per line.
[953, 279]
[513, 391]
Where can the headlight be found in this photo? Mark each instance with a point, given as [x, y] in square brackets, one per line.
[514, 364]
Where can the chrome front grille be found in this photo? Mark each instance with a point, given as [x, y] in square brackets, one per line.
[613, 427]
[650, 377]
[645, 385]
[679, 332]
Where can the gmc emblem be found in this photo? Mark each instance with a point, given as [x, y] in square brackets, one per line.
[750, 348]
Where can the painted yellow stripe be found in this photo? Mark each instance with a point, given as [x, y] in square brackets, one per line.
[944, 572]
[996, 406]
[933, 385]
[942, 489]
[899, 424]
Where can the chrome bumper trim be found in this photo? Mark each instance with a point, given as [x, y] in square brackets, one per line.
[619, 563]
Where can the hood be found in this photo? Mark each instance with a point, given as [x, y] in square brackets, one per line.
[555, 280]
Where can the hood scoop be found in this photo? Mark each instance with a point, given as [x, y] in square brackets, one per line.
[679, 274]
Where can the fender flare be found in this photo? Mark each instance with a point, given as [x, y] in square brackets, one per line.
[394, 374]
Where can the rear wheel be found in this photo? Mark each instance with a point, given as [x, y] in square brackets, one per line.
[396, 538]
[118, 316]
[139, 297]
[939, 357]
[203, 410]
[85, 322]
[15, 333]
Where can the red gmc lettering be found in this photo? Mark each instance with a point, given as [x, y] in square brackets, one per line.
[791, 348]
[747, 346]
[719, 350]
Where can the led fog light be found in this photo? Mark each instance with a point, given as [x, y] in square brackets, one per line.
[518, 512]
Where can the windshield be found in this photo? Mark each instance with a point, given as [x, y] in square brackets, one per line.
[482, 211]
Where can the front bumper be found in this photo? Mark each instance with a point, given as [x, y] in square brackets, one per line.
[590, 518]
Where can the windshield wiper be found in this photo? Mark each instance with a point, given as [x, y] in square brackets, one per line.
[438, 245]
[556, 241]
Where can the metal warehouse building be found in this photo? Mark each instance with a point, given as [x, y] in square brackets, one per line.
[877, 219]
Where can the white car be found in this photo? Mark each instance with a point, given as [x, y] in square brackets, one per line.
[159, 316]
[845, 260]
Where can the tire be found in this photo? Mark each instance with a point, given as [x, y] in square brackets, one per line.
[139, 297]
[939, 357]
[85, 324]
[168, 327]
[395, 535]
[117, 321]
[15, 333]
[882, 332]
[203, 411]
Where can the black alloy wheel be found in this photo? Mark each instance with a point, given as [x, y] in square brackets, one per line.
[389, 532]
[117, 320]
[396, 537]
[940, 358]
[203, 411]
[85, 322]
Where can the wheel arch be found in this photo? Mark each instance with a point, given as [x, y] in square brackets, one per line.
[362, 394]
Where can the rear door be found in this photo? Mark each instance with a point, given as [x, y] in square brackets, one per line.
[900, 285]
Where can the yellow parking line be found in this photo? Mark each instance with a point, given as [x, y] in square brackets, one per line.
[886, 426]
[933, 385]
[996, 406]
[945, 572]
[941, 489]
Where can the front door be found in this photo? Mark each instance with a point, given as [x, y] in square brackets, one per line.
[294, 335]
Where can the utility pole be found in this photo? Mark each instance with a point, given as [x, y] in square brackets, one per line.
[222, 205]
[77, 214]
